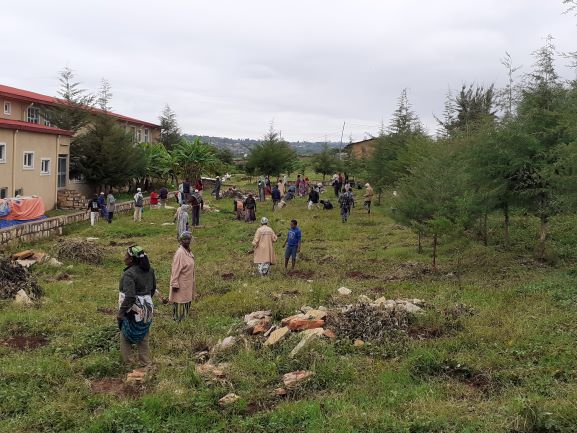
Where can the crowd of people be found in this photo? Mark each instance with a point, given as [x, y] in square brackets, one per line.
[138, 284]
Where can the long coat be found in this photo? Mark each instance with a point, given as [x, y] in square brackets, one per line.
[182, 276]
[263, 245]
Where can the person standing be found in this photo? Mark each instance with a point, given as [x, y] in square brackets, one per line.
[264, 255]
[138, 204]
[250, 209]
[293, 244]
[110, 206]
[217, 185]
[102, 204]
[314, 198]
[261, 189]
[336, 185]
[281, 186]
[267, 185]
[197, 203]
[199, 186]
[346, 202]
[275, 196]
[298, 184]
[94, 208]
[181, 220]
[185, 191]
[163, 196]
[135, 311]
[368, 197]
[182, 279]
[153, 200]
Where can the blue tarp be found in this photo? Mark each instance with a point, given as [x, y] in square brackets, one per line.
[9, 223]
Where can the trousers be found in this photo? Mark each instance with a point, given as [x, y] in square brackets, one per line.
[127, 351]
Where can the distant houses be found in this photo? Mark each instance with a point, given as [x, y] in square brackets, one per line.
[34, 155]
[362, 149]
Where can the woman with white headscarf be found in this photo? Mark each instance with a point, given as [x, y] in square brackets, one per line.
[264, 255]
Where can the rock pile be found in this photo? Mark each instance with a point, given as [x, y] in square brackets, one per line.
[70, 199]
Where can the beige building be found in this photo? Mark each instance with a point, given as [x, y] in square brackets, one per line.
[34, 156]
[362, 149]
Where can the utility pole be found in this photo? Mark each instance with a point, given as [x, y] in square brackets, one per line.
[341, 145]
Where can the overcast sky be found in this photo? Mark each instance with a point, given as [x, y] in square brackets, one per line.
[227, 68]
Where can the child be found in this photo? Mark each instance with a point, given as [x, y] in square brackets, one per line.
[293, 244]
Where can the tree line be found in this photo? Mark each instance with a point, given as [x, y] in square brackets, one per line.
[496, 150]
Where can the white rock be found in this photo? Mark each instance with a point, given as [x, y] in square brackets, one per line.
[306, 308]
[22, 298]
[227, 343]
[309, 281]
[55, 263]
[91, 239]
[343, 291]
[257, 315]
[307, 337]
[228, 399]
[26, 263]
[167, 224]
[380, 301]
[363, 299]
[410, 308]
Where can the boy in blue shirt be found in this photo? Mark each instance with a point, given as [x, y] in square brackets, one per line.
[293, 244]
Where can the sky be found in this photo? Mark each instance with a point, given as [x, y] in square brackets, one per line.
[229, 68]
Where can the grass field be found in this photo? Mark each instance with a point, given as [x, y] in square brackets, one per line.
[494, 352]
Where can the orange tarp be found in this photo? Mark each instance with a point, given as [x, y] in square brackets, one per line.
[25, 208]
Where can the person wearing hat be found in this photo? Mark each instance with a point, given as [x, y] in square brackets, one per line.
[138, 204]
[264, 255]
[135, 307]
[94, 208]
[182, 279]
[368, 197]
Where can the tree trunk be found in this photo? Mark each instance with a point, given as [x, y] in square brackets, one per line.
[434, 252]
[506, 225]
[543, 232]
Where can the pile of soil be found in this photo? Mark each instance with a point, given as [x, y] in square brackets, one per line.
[14, 277]
[368, 323]
[80, 250]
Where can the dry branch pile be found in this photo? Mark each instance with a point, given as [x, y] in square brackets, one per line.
[14, 277]
[80, 250]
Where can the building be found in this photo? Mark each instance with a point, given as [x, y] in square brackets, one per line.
[34, 155]
[362, 149]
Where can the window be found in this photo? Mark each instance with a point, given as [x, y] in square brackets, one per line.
[7, 108]
[33, 115]
[133, 133]
[62, 170]
[139, 135]
[28, 160]
[45, 166]
[146, 135]
[2, 153]
[3, 192]
[19, 192]
[47, 122]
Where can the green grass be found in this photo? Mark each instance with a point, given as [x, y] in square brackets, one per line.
[509, 366]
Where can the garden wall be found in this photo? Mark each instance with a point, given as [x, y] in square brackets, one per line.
[46, 228]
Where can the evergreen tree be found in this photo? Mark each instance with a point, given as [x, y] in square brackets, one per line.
[72, 112]
[327, 161]
[508, 96]
[170, 132]
[272, 156]
[104, 96]
[404, 121]
[105, 154]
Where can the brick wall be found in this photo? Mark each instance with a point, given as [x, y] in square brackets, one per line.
[52, 226]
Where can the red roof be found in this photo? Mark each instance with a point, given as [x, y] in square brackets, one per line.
[25, 95]
[32, 127]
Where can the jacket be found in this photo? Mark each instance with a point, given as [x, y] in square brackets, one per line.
[135, 282]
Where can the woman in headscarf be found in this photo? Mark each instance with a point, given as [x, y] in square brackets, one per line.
[250, 209]
[136, 289]
[182, 284]
[181, 219]
[264, 255]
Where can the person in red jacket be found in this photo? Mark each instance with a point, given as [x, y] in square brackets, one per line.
[199, 185]
[153, 199]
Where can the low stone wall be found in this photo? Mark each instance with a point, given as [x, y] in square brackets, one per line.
[46, 228]
[71, 199]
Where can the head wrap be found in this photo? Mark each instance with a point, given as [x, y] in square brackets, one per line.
[138, 189]
[264, 221]
[185, 235]
[136, 251]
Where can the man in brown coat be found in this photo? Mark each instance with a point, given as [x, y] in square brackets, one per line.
[264, 255]
[368, 197]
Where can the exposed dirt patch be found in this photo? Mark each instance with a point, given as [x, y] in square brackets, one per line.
[258, 406]
[25, 342]
[115, 387]
[106, 310]
[357, 275]
[228, 276]
[63, 276]
[305, 275]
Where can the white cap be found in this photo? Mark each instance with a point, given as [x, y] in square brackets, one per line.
[138, 189]
[264, 220]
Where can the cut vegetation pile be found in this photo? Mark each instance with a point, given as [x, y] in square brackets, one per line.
[14, 277]
[80, 250]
